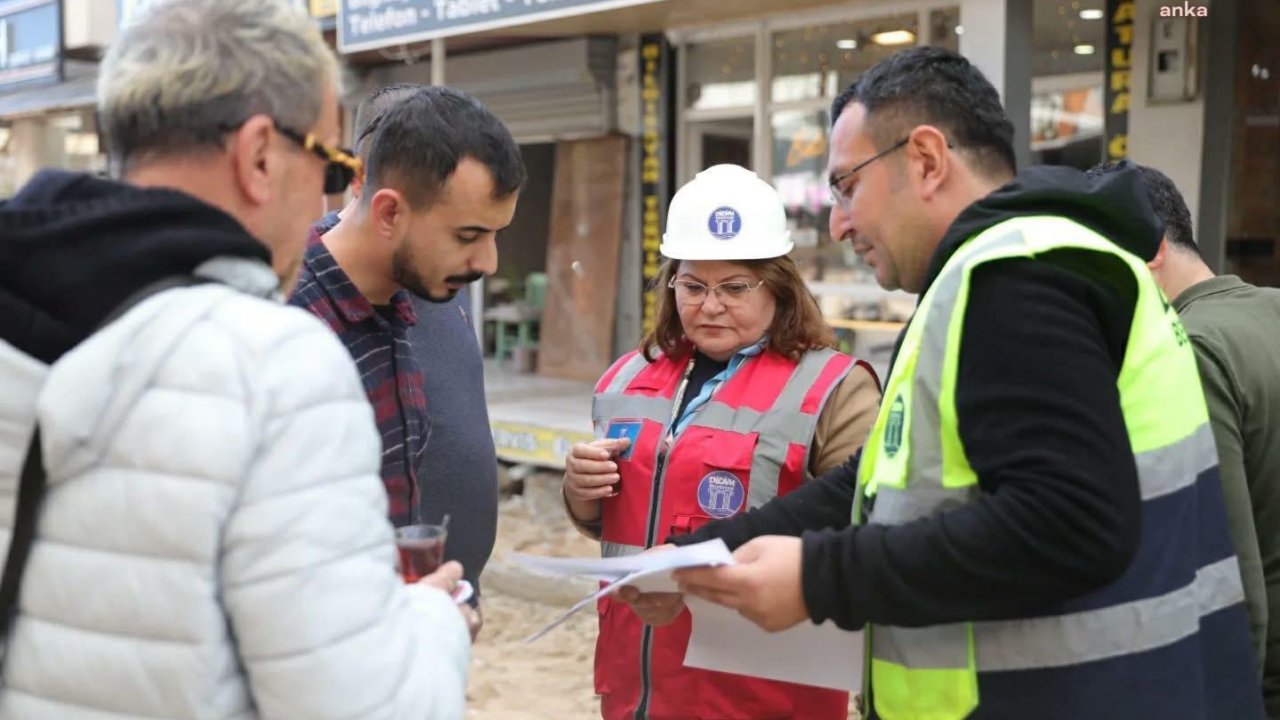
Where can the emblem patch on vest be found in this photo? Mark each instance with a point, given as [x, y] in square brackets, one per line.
[893, 427]
[721, 494]
[629, 429]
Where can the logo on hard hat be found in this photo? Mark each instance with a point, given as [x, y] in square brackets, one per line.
[725, 223]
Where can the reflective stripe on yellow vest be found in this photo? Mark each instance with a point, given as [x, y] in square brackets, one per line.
[915, 466]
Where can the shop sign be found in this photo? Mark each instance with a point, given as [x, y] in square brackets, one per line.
[655, 59]
[372, 24]
[1119, 66]
[541, 446]
[30, 42]
[800, 147]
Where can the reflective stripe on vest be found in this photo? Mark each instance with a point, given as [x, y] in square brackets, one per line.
[1069, 639]
[640, 407]
[914, 465]
[613, 549]
[626, 373]
[1160, 472]
[612, 402]
[779, 427]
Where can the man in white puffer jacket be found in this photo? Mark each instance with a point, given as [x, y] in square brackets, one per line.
[213, 540]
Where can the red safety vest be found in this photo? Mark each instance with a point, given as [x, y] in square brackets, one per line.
[749, 444]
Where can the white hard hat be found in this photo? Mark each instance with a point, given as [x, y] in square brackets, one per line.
[726, 213]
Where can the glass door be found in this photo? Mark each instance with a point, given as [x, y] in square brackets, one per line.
[715, 142]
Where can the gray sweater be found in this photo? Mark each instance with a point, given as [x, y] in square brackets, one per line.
[459, 474]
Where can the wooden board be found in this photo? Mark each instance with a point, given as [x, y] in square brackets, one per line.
[586, 228]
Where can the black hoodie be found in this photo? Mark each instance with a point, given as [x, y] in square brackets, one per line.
[1039, 415]
[73, 247]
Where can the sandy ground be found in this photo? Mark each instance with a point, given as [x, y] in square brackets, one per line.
[550, 679]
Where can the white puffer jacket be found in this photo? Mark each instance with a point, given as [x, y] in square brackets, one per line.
[214, 541]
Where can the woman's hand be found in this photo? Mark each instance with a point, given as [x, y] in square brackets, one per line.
[655, 609]
[590, 476]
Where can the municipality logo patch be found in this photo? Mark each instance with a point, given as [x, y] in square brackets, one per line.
[725, 223]
[721, 494]
[893, 427]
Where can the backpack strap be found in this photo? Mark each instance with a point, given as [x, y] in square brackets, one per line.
[31, 484]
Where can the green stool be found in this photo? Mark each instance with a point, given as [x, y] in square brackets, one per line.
[522, 317]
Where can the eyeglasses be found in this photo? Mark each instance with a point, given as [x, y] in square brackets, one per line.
[733, 292]
[341, 165]
[841, 196]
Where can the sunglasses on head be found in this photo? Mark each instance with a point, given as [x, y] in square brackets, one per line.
[341, 165]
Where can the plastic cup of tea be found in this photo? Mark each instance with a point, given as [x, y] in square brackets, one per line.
[421, 549]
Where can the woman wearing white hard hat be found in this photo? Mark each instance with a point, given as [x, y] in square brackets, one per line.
[735, 397]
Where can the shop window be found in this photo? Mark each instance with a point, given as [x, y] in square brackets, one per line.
[820, 60]
[799, 174]
[945, 28]
[1067, 121]
[1067, 101]
[717, 142]
[63, 140]
[721, 74]
[1253, 218]
[80, 149]
[811, 66]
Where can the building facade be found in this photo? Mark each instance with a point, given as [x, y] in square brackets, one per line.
[617, 102]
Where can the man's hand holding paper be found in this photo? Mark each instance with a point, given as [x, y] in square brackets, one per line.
[764, 584]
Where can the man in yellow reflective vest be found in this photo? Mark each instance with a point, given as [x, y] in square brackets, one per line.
[1035, 527]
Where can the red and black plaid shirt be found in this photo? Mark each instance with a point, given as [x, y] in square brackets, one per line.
[377, 338]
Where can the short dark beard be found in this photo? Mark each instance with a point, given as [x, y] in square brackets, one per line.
[405, 275]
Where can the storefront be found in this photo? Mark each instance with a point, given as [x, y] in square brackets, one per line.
[758, 93]
[559, 97]
[686, 85]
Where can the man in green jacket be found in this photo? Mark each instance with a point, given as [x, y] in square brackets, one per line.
[1235, 330]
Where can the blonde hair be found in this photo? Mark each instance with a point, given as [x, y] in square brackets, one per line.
[184, 72]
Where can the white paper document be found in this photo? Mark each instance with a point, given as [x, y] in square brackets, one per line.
[648, 572]
[808, 654]
[722, 640]
[712, 552]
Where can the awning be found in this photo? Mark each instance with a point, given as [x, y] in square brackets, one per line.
[72, 94]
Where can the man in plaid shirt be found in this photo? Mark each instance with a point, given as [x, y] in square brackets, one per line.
[442, 177]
